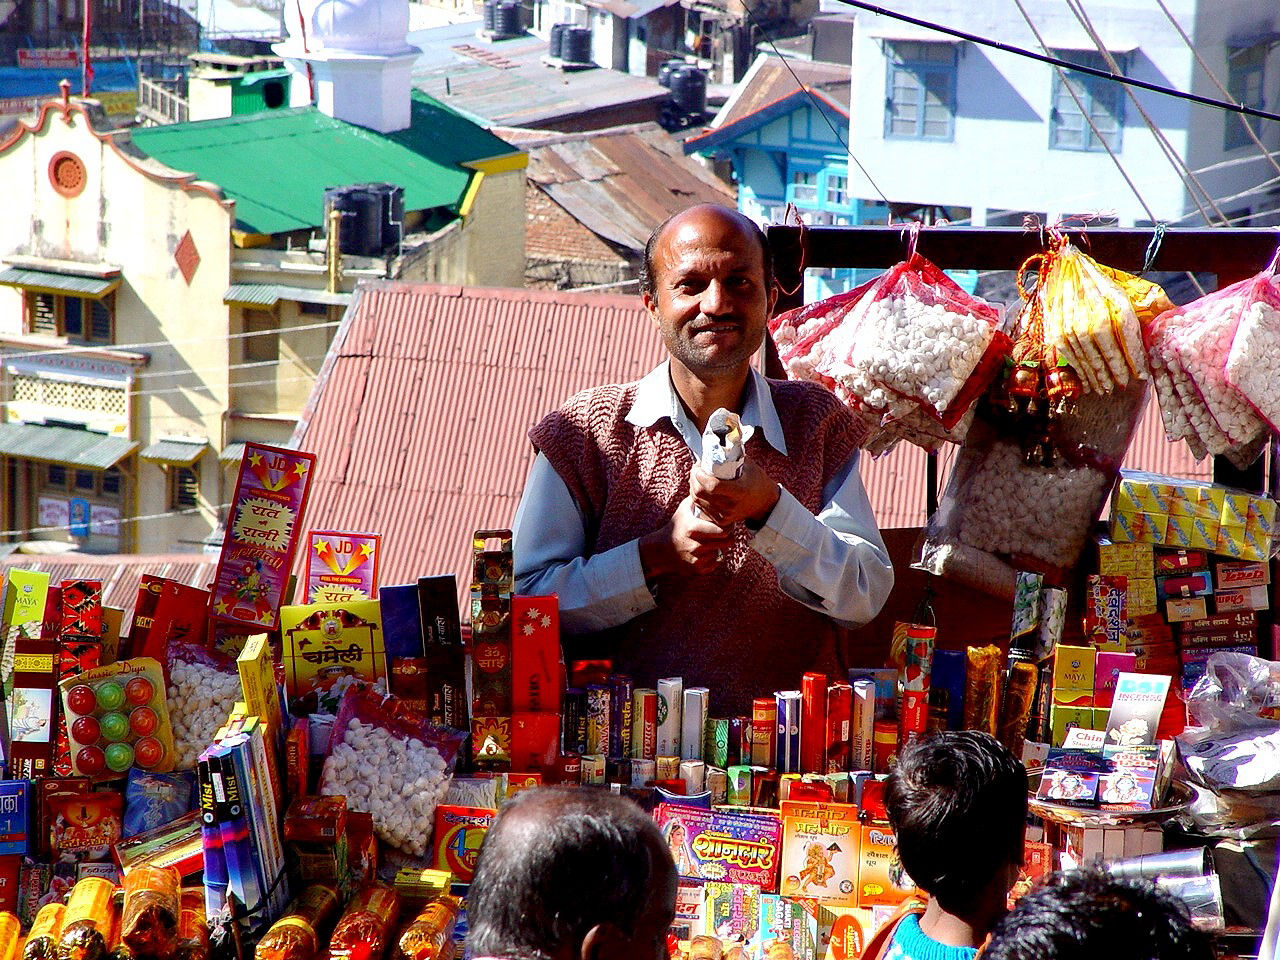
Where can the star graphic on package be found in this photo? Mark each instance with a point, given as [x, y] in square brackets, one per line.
[545, 621]
[534, 613]
[527, 629]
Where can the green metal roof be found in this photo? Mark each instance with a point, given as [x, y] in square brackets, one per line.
[76, 448]
[278, 163]
[58, 282]
[250, 79]
[269, 294]
[182, 453]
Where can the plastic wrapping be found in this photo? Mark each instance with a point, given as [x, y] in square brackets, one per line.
[1253, 365]
[152, 906]
[431, 933]
[296, 935]
[1189, 350]
[42, 941]
[154, 799]
[367, 923]
[982, 688]
[193, 927]
[88, 921]
[203, 686]
[388, 760]
[10, 936]
[999, 515]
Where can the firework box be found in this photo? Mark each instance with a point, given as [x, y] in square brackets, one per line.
[441, 639]
[459, 833]
[263, 530]
[81, 609]
[144, 610]
[1233, 575]
[1135, 711]
[21, 613]
[1241, 599]
[716, 845]
[181, 615]
[341, 566]
[258, 683]
[820, 847]
[536, 666]
[322, 642]
[76, 654]
[785, 921]
[731, 912]
[15, 816]
[881, 879]
[1194, 583]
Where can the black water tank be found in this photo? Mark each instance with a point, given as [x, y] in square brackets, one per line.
[667, 68]
[507, 19]
[361, 209]
[489, 15]
[689, 91]
[556, 45]
[577, 45]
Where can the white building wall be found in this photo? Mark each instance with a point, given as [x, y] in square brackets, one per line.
[1000, 156]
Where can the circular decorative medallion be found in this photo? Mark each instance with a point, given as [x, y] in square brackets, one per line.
[67, 174]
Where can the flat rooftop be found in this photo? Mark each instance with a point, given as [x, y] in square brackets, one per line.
[506, 83]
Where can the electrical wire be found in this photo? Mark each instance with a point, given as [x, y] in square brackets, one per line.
[1179, 167]
[818, 107]
[178, 512]
[1213, 78]
[1063, 64]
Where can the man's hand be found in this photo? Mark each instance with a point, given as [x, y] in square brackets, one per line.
[724, 502]
[685, 543]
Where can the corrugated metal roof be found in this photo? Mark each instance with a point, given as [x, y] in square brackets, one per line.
[277, 164]
[120, 573]
[269, 294]
[232, 453]
[621, 183]
[772, 80]
[58, 282]
[77, 448]
[182, 453]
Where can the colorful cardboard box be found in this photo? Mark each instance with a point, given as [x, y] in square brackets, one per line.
[321, 643]
[459, 832]
[341, 566]
[715, 845]
[882, 881]
[1193, 515]
[820, 852]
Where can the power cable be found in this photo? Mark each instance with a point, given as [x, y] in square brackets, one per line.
[1063, 64]
[817, 106]
[1179, 167]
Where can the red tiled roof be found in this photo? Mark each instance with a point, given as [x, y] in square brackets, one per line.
[420, 414]
[120, 573]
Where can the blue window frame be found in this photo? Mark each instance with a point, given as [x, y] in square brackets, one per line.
[920, 98]
[1103, 102]
[1246, 74]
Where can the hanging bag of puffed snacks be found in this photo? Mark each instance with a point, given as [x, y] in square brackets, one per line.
[389, 761]
[1037, 465]
[1189, 349]
[798, 334]
[920, 341]
[1253, 365]
[1090, 320]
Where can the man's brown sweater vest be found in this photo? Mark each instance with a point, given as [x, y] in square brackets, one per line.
[732, 630]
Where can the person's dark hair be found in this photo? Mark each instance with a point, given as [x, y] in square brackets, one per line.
[1094, 916]
[958, 802]
[647, 277]
[557, 862]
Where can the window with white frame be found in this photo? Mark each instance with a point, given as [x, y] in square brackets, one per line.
[837, 192]
[1101, 121]
[920, 102]
[1246, 73]
[804, 187]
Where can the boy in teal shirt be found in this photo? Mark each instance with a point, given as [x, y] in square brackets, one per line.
[958, 803]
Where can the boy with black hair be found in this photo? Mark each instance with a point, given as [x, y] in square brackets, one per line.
[1094, 916]
[958, 802]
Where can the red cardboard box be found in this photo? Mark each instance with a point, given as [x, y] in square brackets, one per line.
[536, 666]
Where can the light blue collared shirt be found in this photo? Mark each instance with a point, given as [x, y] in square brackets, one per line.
[835, 562]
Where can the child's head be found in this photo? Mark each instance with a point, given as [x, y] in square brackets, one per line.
[958, 802]
[1077, 916]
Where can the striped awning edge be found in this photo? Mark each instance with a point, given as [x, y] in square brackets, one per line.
[269, 294]
[179, 453]
[66, 445]
[232, 453]
[46, 281]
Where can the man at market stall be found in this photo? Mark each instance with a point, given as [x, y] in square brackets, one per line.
[567, 873]
[739, 585]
